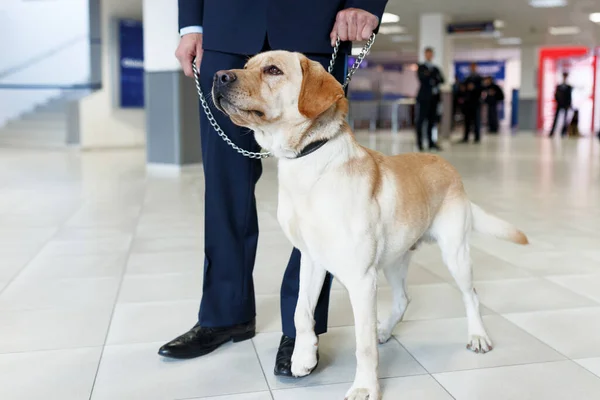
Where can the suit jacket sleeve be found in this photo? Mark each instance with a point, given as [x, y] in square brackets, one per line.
[441, 79]
[375, 7]
[190, 13]
[421, 74]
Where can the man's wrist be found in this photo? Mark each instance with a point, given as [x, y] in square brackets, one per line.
[190, 29]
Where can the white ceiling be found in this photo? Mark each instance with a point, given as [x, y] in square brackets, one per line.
[521, 20]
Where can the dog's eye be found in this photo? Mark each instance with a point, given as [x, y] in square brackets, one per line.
[273, 70]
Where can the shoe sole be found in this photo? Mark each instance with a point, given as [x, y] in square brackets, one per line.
[234, 338]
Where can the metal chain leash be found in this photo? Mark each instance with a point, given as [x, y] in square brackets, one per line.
[258, 156]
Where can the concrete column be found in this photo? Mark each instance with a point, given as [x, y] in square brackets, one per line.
[528, 92]
[433, 33]
[172, 125]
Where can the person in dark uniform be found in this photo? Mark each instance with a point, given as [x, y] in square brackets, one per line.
[563, 97]
[473, 85]
[428, 99]
[494, 95]
[222, 35]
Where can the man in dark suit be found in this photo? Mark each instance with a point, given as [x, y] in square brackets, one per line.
[428, 99]
[222, 35]
[494, 95]
[563, 97]
[472, 106]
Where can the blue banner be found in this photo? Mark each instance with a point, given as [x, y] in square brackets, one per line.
[131, 63]
[495, 69]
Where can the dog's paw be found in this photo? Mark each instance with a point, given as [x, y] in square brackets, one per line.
[479, 344]
[304, 359]
[363, 394]
[383, 334]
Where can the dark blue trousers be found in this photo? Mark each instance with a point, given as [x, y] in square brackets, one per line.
[231, 222]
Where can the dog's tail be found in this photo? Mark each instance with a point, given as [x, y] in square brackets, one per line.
[488, 224]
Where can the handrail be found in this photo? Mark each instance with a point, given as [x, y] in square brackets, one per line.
[40, 57]
[94, 86]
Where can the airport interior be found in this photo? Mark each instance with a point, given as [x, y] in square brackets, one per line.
[109, 221]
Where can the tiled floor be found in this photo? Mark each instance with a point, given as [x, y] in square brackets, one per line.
[100, 263]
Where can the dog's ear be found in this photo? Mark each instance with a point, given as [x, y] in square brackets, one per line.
[319, 89]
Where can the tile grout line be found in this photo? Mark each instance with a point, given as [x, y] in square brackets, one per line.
[262, 369]
[123, 273]
[422, 366]
[51, 238]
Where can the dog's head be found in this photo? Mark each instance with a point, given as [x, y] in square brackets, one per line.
[279, 95]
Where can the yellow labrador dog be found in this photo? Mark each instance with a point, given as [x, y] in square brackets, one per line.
[350, 210]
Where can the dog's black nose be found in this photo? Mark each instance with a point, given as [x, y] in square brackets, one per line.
[223, 78]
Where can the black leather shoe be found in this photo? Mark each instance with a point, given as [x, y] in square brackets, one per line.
[434, 147]
[199, 341]
[283, 360]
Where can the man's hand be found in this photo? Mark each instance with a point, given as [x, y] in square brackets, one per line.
[190, 46]
[353, 24]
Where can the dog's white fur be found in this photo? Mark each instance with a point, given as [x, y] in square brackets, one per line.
[352, 211]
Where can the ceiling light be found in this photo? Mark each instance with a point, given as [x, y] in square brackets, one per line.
[387, 30]
[508, 41]
[402, 38]
[499, 24]
[564, 30]
[389, 18]
[547, 3]
[595, 17]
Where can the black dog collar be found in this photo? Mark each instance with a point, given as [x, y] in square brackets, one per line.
[312, 147]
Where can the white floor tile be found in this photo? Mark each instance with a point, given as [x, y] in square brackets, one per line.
[245, 396]
[548, 381]
[151, 322]
[440, 345]
[485, 267]
[522, 295]
[421, 387]
[26, 294]
[46, 267]
[30, 330]
[550, 263]
[584, 285]
[165, 263]
[591, 364]
[58, 374]
[574, 333]
[337, 360]
[137, 372]
[168, 244]
[83, 247]
[161, 287]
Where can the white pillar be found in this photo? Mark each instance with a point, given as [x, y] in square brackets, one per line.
[172, 128]
[433, 33]
[528, 92]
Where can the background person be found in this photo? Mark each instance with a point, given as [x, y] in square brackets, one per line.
[472, 105]
[494, 96]
[564, 99]
[428, 98]
[223, 35]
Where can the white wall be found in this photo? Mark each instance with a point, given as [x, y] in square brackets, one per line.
[31, 34]
[102, 124]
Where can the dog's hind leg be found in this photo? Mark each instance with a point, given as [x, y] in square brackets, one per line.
[451, 230]
[312, 276]
[396, 276]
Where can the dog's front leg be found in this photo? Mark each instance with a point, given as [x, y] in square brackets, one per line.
[363, 295]
[312, 276]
